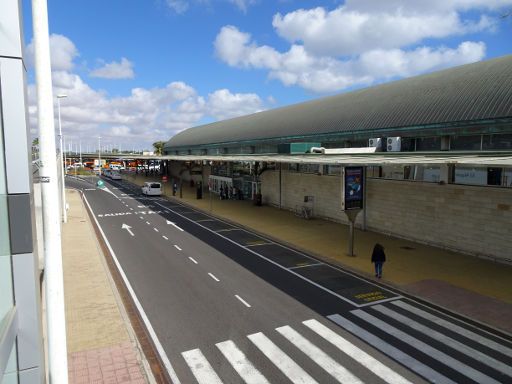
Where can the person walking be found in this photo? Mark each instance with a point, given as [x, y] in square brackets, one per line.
[378, 258]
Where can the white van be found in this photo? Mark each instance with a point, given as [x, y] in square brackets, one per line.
[152, 188]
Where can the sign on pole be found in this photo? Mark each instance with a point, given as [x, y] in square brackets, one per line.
[353, 189]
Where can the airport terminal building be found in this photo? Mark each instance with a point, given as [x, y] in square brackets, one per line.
[436, 150]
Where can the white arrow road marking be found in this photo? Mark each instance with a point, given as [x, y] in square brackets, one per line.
[174, 225]
[127, 227]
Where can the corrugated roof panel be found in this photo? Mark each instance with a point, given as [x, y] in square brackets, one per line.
[470, 92]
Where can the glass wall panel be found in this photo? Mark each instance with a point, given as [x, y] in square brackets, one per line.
[11, 370]
[373, 171]
[507, 177]
[428, 144]
[499, 141]
[430, 173]
[6, 294]
[393, 172]
[334, 169]
[471, 175]
[408, 144]
[466, 143]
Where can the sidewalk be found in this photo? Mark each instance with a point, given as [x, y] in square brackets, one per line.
[102, 347]
[477, 288]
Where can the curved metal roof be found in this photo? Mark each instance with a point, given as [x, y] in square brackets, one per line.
[470, 92]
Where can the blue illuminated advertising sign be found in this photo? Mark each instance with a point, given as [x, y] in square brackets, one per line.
[353, 188]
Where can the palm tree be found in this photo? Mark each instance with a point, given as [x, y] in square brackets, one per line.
[159, 147]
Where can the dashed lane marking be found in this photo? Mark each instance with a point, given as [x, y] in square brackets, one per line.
[213, 277]
[243, 301]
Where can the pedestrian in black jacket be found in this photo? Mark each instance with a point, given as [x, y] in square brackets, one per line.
[378, 258]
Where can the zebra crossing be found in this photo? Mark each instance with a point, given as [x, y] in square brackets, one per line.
[435, 347]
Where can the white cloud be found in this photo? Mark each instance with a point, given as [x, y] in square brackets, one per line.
[299, 67]
[62, 53]
[140, 118]
[115, 70]
[182, 6]
[222, 104]
[236, 49]
[178, 6]
[360, 26]
[362, 42]
[243, 5]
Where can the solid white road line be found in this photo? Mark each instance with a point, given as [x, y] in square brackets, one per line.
[213, 277]
[281, 360]
[156, 229]
[248, 372]
[174, 225]
[286, 268]
[396, 354]
[455, 328]
[307, 265]
[165, 237]
[177, 247]
[336, 370]
[434, 353]
[138, 305]
[200, 367]
[458, 346]
[191, 259]
[356, 353]
[243, 301]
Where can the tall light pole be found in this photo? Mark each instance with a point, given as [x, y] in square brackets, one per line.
[53, 271]
[64, 211]
[99, 154]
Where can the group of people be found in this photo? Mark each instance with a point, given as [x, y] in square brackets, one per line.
[228, 192]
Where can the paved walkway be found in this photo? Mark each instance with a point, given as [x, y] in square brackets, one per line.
[101, 344]
[474, 287]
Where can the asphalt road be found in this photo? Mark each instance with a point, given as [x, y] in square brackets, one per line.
[230, 306]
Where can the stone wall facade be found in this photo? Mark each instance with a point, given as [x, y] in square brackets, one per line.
[469, 219]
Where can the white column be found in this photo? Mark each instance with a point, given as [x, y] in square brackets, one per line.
[54, 287]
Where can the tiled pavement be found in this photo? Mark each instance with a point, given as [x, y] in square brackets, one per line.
[101, 346]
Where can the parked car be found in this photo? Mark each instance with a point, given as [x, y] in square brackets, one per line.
[152, 188]
[114, 175]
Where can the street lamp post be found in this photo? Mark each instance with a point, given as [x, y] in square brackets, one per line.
[99, 154]
[64, 211]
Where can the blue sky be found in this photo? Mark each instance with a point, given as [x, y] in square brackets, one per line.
[138, 71]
